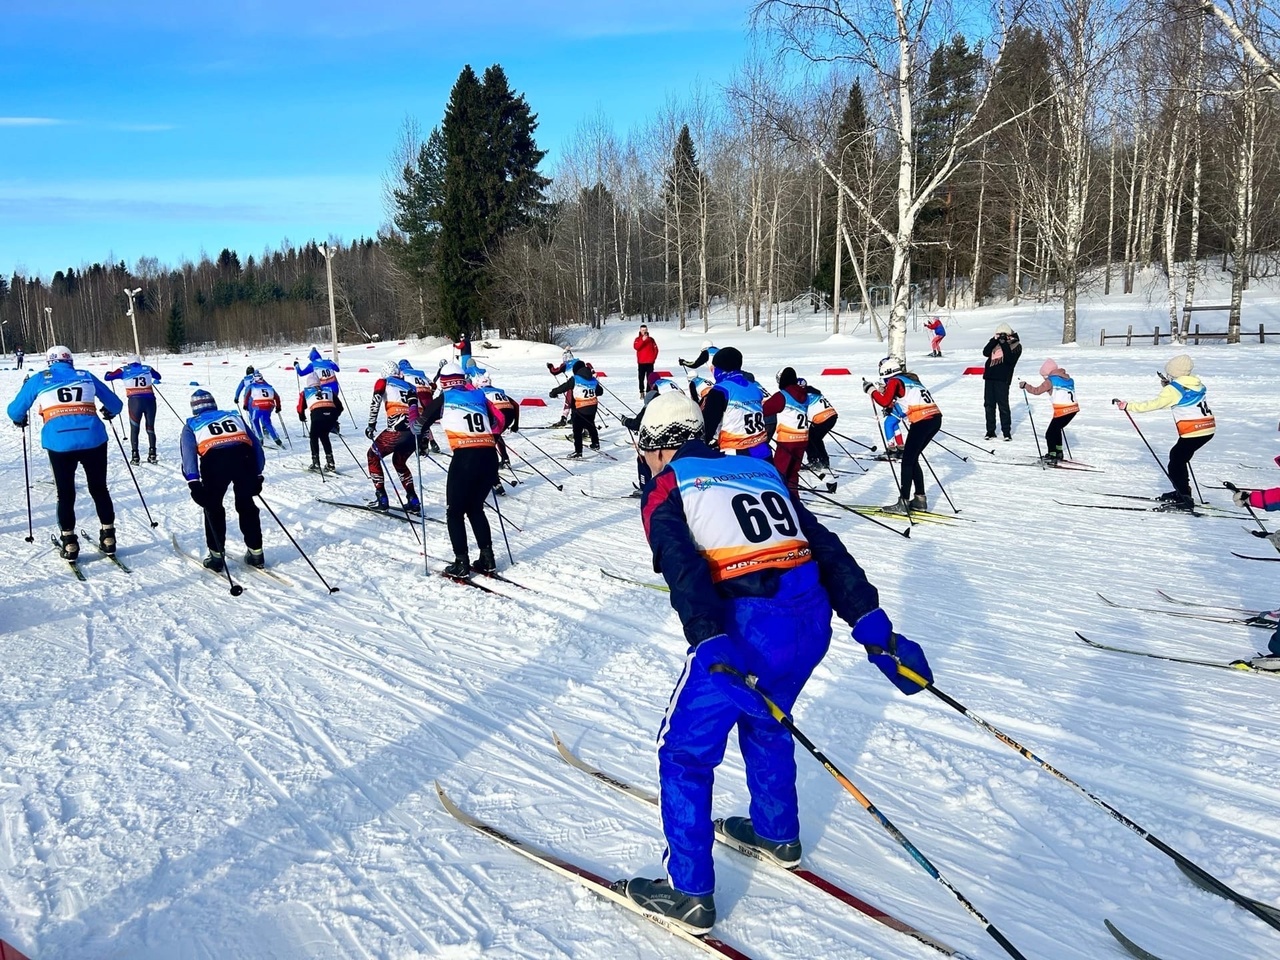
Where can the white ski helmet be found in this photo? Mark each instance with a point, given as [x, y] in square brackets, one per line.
[706, 345]
[310, 380]
[483, 380]
[451, 375]
[668, 421]
[390, 369]
[132, 358]
[891, 365]
[58, 354]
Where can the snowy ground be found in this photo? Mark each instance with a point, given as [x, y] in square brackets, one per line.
[189, 775]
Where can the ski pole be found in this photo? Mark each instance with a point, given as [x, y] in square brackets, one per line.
[1032, 417]
[353, 456]
[1199, 495]
[845, 451]
[1186, 865]
[180, 417]
[875, 412]
[871, 448]
[1230, 486]
[780, 715]
[296, 546]
[236, 589]
[859, 513]
[26, 476]
[1144, 440]
[939, 483]
[558, 486]
[503, 527]
[286, 431]
[129, 467]
[969, 442]
[1067, 443]
[618, 398]
[348, 407]
[548, 456]
[399, 499]
[937, 443]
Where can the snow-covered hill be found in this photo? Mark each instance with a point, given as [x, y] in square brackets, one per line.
[192, 775]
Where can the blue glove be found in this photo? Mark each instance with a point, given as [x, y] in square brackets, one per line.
[729, 680]
[887, 649]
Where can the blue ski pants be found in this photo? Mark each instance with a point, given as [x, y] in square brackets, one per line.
[781, 640]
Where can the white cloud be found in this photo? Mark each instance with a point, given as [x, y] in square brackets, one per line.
[29, 122]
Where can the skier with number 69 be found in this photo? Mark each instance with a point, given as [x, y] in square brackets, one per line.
[754, 579]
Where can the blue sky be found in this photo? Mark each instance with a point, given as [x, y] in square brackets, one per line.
[134, 128]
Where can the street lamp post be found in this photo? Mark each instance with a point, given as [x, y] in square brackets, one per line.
[333, 316]
[4, 349]
[133, 318]
[48, 316]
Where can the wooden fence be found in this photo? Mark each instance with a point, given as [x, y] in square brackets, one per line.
[1195, 336]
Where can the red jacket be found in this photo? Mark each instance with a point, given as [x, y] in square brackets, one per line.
[646, 349]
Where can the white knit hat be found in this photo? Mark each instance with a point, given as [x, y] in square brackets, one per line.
[1178, 366]
[1005, 329]
[668, 421]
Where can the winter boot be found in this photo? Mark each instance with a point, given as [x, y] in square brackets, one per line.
[499, 490]
[460, 569]
[899, 507]
[697, 915]
[432, 445]
[919, 502]
[213, 561]
[1182, 502]
[133, 457]
[151, 456]
[740, 832]
[989, 436]
[485, 562]
[315, 465]
[576, 455]
[562, 422]
[107, 539]
[380, 502]
[255, 558]
[413, 505]
[595, 446]
[1169, 496]
[329, 464]
[279, 442]
[69, 545]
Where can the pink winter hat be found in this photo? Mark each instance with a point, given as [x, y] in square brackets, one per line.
[1048, 367]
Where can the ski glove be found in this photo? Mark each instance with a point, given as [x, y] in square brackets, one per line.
[369, 431]
[197, 493]
[720, 649]
[867, 385]
[21, 423]
[107, 414]
[1022, 384]
[551, 367]
[887, 649]
[1119, 403]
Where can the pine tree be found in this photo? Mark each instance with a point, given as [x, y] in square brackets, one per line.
[176, 332]
[490, 186]
[682, 192]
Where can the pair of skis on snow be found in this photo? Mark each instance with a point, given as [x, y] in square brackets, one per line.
[74, 565]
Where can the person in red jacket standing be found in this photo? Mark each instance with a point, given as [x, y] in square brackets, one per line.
[646, 356]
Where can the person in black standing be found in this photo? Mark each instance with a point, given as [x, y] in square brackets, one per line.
[1002, 351]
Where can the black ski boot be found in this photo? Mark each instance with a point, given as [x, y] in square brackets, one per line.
[380, 503]
[69, 545]
[151, 456]
[460, 569]
[214, 561]
[485, 562]
[255, 558]
[134, 459]
[499, 490]
[740, 831]
[329, 464]
[697, 915]
[107, 539]
[315, 465]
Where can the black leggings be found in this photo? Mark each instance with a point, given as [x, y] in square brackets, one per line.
[472, 474]
[817, 446]
[918, 437]
[231, 467]
[322, 424]
[1180, 461]
[142, 408]
[95, 479]
[644, 369]
[995, 397]
[1053, 434]
[584, 421]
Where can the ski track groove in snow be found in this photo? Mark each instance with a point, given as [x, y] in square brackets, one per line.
[259, 769]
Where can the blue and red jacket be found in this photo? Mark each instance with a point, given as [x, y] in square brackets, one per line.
[704, 604]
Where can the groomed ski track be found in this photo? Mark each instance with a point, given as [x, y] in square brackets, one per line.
[191, 775]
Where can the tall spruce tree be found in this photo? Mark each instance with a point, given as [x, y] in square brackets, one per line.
[490, 186]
